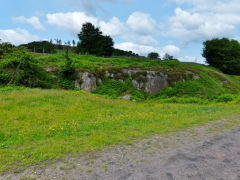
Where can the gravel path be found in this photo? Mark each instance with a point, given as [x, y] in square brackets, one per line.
[211, 151]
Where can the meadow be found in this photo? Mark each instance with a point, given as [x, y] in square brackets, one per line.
[38, 125]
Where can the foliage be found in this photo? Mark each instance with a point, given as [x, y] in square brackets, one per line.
[5, 48]
[40, 125]
[119, 52]
[67, 70]
[153, 55]
[225, 98]
[93, 42]
[223, 54]
[116, 89]
[66, 73]
[21, 69]
[41, 47]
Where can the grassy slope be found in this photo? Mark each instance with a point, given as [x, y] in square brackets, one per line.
[38, 125]
[211, 82]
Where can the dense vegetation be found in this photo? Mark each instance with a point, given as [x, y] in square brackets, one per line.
[18, 67]
[223, 54]
[41, 47]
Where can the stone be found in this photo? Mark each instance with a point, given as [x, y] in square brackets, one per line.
[86, 81]
[126, 97]
[156, 81]
[137, 85]
[196, 77]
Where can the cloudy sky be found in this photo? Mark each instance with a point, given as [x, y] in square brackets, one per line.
[177, 27]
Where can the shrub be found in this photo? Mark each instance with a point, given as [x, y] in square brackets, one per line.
[67, 70]
[65, 83]
[19, 68]
[225, 98]
[111, 88]
[66, 73]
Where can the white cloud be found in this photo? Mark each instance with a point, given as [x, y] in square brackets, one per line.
[197, 27]
[136, 48]
[142, 23]
[71, 21]
[113, 28]
[137, 33]
[172, 50]
[34, 21]
[205, 19]
[145, 49]
[17, 36]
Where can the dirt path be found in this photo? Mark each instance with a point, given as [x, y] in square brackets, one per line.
[206, 152]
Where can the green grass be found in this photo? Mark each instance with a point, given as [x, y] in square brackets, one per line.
[210, 82]
[38, 125]
[93, 62]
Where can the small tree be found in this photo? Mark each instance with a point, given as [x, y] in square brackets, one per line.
[168, 57]
[153, 55]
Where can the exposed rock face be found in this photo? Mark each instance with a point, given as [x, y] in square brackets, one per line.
[86, 81]
[156, 81]
[151, 82]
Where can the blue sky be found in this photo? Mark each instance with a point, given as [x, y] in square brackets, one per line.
[177, 27]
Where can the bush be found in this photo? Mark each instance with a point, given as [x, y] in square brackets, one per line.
[5, 48]
[225, 98]
[65, 83]
[19, 68]
[67, 70]
[111, 88]
[115, 89]
[66, 73]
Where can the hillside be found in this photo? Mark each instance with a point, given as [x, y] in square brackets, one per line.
[182, 79]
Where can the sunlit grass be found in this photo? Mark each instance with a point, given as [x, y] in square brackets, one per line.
[38, 125]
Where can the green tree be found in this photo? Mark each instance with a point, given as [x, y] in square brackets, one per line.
[93, 42]
[105, 46]
[153, 55]
[223, 54]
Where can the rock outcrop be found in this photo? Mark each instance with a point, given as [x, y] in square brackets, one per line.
[151, 82]
[85, 81]
[155, 82]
